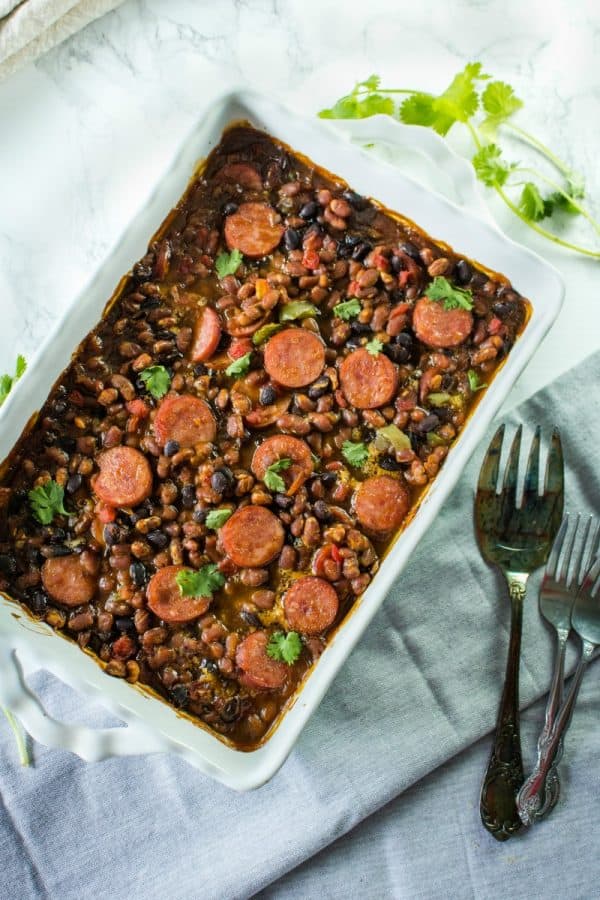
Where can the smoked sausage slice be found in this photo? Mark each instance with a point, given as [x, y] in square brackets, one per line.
[381, 503]
[125, 477]
[253, 536]
[284, 446]
[185, 419]
[67, 582]
[259, 671]
[207, 334]
[294, 357]
[311, 605]
[368, 381]
[240, 173]
[166, 601]
[439, 327]
[254, 229]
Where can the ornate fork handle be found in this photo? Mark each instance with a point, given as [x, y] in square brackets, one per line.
[504, 774]
[531, 800]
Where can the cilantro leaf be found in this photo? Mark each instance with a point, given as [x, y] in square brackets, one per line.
[356, 454]
[374, 347]
[458, 103]
[490, 167]
[199, 582]
[418, 110]
[531, 203]
[297, 309]
[264, 333]
[228, 263]
[348, 309]
[46, 501]
[453, 297]
[474, 383]
[239, 366]
[285, 647]
[217, 518]
[274, 481]
[157, 381]
[7, 381]
[363, 101]
[500, 102]
[20, 366]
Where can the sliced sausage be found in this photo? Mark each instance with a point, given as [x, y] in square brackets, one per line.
[253, 536]
[185, 419]
[381, 503]
[311, 605]
[240, 173]
[439, 327]
[294, 357]
[67, 582]
[166, 601]
[368, 381]
[125, 477]
[207, 334]
[260, 671]
[284, 446]
[255, 229]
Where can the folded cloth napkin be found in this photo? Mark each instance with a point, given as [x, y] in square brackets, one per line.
[421, 686]
[29, 28]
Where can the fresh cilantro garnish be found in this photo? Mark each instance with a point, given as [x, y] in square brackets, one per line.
[456, 104]
[46, 501]
[285, 647]
[499, 102]
[347, 310]
[490, 167]
[264, 333]
[531, 203]
[297, 309]
[217, 518]
[199, 582]
[363, 101]
[157, 381]
[239, 366]
[274, 481]
[356, 454]
[228, 263]
[453, 297]
[474, 383]
[7, 381]
[374, 346]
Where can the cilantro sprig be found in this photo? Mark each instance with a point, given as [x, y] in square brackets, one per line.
[157, 381]
[285, 647]
[347, 310]
[485, 107]
[474, 383]
[46, 501]
[239, 366]
[272, 479]
[217, 518]
[199, 582]
[452, 297]
[355, 453]
[7, 381]
[374, 346]
[228, 263]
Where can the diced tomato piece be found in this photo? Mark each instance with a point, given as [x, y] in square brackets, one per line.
[380, 262]
[335, 553]
[239, 347]
[106, 513]
[494, 325]
[311, 259]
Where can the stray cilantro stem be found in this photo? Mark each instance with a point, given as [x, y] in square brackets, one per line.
[560, 190]
[18, 733]
[545, 151]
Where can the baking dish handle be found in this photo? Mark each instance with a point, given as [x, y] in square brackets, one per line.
[91, 744]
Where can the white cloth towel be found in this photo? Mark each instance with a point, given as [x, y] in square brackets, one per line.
[29, 28]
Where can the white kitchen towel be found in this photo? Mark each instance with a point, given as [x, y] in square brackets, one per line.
[420, 687]
[29, 28]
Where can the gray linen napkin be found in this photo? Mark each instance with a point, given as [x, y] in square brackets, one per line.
[421, 686]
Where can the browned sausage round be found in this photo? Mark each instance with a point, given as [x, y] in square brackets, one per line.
[294, 357]
[185, 419]
[255, 229]
[381, 503]
[240, 173]
[368, 381]
[125, 477]
[311, 605]
[207, 334]
[67, 582]
[439, 327]
[259, 671]
[284, 446]
[166, 601]
[253, 536]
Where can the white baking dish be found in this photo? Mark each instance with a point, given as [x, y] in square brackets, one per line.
[154, 726]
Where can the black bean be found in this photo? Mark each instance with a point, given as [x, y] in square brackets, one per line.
[411, 250]
[57, 535]
[210, 666]
[397, 264]
[283, 501]
[429, 423]
[199, 370]
[309, 210]
[328, 479]
[463, 272]
[38, 602]
[502, 308]
[229, 208]
[353, 342]
[49, 438]
[396, 353]
[200, 515]
[344, 251]
[232, 710]
[448, 382]
[179, 693]
[478, 279]
[250, 618]
[291, 239]
[319, 387]
[124, 624]
[355, 199]
[8, 564]
[67, 443]
[138, 573]
[360, 327]
[157, 539]
[59, 407]
[222, 480]
[321, 511]
[389, 463]
[444, 413]
[224, 342]
[267, 395]
[60, 550]
[150, 303]
[74, 483]
[315, 229]
[352, 239]
[188, 496]
[142, 271]
[361, 250]
[171, 448]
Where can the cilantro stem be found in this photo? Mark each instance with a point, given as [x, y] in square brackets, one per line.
[18, 732]
[572, 200]
[545, 151]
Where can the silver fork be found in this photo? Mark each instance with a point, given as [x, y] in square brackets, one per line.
[563, 576]
[585, 619]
